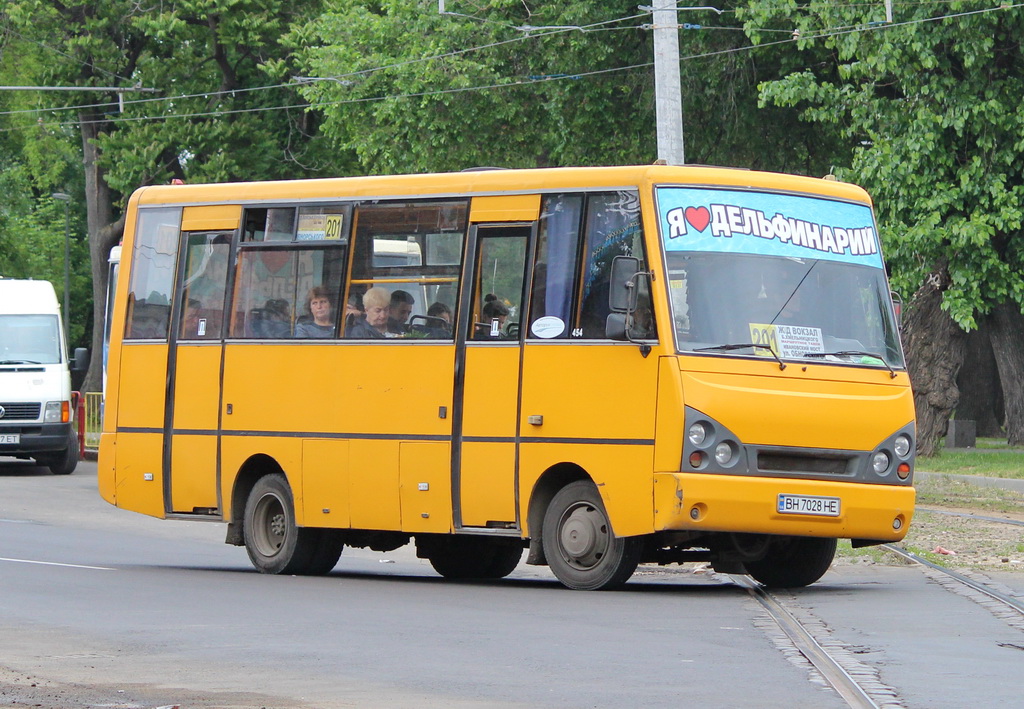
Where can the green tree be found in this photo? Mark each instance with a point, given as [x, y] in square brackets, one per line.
[212, 120]
[506, 83]
[931, 105]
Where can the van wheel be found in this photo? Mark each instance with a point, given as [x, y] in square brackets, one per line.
[581, 548]
[274, 543]
[65, 462]
[474, 557]
[793, 562]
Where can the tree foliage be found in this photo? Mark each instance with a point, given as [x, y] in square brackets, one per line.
[515, 84]
[932, 103]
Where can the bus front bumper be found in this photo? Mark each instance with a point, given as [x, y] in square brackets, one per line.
[785, 506]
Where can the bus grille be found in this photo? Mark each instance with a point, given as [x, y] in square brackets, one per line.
[788, 463]
[20, 411]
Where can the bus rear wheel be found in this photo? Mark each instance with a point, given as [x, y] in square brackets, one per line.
[273, 541]
[793, 562]
[579, 544]
[474, 557]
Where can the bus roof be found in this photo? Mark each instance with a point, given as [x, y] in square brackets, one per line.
[491, 182]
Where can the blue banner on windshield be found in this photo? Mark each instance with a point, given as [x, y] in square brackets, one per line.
[766, 223]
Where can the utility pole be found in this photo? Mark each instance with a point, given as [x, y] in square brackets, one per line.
[66, 315]
[668, 104]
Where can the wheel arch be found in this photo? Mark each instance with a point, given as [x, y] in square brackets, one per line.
[544, 489]
[254, 468]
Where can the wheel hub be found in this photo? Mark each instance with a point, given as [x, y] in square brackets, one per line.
[584, 536]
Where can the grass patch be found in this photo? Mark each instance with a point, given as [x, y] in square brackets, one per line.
[944, 491]
[992, 458]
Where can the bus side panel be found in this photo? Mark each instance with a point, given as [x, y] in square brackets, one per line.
[139, 476]
[142, 390]
[194, 454]
[375, 501]
[285, 451]
[622, 475]
[668, 440]
[139, 440]
[325, 483]
[596, 401]
[426, 486]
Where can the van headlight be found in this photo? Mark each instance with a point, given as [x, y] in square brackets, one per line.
[697, 433]
[53, 412]
[902, 446]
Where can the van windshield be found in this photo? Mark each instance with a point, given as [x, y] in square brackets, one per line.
[29, 339]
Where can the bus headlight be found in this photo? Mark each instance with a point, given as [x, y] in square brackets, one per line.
[698, 433]
[880, 462]
[723, 453]
[902, 446]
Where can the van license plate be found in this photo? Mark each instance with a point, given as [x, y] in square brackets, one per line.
[808, 505]
[11, 439]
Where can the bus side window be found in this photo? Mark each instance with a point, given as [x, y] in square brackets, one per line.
[555, 271]
[274, 284]
[612, 229]
[154, 255]
[206, 270]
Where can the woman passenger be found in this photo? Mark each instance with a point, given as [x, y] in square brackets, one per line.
[377, 305]
[318, 305]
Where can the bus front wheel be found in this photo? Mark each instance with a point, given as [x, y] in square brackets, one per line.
[273, 541]
[793, 562]
[581, 549]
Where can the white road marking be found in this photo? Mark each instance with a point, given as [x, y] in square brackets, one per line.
[53, 563]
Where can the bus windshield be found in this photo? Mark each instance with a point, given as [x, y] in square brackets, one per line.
[754, 273]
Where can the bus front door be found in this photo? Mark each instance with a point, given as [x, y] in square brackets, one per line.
[193, 429]
[487, 379]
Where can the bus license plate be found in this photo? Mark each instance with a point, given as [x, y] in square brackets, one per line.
[11, 439]
[808, 505]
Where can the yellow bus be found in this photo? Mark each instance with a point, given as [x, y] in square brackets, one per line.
[617, 365]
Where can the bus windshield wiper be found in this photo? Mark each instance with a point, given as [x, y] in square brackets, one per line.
[855, 353]
[743, 346]
[18, 361]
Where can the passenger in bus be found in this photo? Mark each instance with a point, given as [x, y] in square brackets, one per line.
[377, 304]
[272, 321]
[399, 312]
[494, 314]
[441, 311]
[319, 323]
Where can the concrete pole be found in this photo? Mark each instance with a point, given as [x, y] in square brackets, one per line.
[667, 87]
[66, 315]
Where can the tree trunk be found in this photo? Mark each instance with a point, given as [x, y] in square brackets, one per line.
[1008, 348]
[935, 351]
[104, 234]
[978, 382]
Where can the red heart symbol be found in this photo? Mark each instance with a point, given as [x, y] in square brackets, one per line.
[699, 217]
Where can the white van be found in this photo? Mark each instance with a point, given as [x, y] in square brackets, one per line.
[36, 411]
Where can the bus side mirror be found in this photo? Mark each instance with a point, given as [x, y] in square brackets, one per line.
[81, 361]
[897, 307]
[622, 284]
[615, 326]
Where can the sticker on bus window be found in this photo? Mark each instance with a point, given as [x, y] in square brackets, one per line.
[547, 327]
[786, 340]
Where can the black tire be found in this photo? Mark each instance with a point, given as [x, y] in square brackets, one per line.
[579, 544]
[793, 562]
[64, 462]
[328, 551]
[274, 543]
[475, 557]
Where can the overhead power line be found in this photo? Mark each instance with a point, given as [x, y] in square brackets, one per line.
[508, 84]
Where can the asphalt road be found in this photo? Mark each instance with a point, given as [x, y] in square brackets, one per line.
[100, 606]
